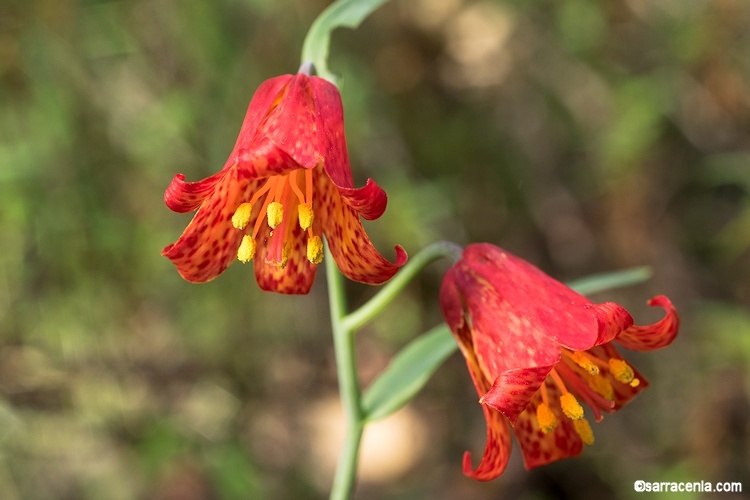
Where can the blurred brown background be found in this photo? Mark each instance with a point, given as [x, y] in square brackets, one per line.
[585, 136]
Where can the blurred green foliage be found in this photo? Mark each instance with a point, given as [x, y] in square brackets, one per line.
[585, 136]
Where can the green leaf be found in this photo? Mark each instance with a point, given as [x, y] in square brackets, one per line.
[607, 281]
[340, 14]
[407, 373]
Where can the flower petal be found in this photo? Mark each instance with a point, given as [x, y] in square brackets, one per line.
[541, 306]
[293, 124]
[370, 200]
[540, 448]
[261, 104]
[182, 197]
[513, 390]
[350, 246]
[264, 159]
[498, 445]
[657, 335]
[209, 243]
[505, 335]
[496, 450]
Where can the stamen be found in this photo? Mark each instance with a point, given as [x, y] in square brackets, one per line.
[571, 407]
[246, 251]
[264, 209]
[263, 190]
[295, 187]
[275, 212]
[602, 386]
[286, 250]
[583, 429]
[241, 217]
[621, 371]
[315, 249]
[584, 361]
[545, 418]
[308, 186]
[306, 216]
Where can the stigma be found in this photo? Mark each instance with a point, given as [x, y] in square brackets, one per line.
[278, 199]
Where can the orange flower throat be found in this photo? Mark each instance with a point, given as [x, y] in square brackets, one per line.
[591, 377]
[283, 199]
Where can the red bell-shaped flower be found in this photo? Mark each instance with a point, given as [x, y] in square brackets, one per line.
[536, 350]
[287, 183]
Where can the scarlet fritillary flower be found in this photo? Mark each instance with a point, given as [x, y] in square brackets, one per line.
[286, 184]
[536, 350]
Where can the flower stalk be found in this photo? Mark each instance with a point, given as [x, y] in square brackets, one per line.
[344, 327]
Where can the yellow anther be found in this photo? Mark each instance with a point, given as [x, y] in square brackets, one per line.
[241, 217]
[545, 418]
[621, 370]
[583, 429]
[571, 407]
[306, 216]
[634, 383]
[275, 213]
[584, 362]
[602, 386]
[315, 249]
[246, 251]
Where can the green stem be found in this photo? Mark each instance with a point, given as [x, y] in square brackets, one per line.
[341, 13]
[343, 327]
[346, 367]
[429, 254]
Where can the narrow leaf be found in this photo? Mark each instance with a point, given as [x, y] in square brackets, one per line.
[407, 373]
[608, 281]
[340, 14]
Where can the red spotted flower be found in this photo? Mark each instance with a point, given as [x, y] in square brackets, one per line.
[285, 185]
[536, 350]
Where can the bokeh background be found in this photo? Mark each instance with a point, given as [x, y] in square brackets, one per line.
[585, 136]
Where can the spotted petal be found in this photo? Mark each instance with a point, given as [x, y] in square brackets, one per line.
[513, 390]
[540, 448]
[498, 444]
[182, 197]
[209, 243]
[657, 335]
[350, 246]
[370, 200]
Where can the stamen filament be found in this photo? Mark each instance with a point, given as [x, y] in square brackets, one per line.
[295, 187]
[260, 218]
[281, 182]
[309, 186]
[263, 190]
[558, 381]
[545, 395]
